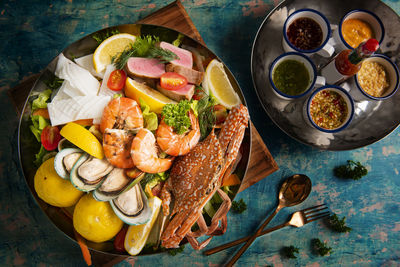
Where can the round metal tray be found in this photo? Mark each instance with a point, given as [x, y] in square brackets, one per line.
[28, 146]
[373, 120]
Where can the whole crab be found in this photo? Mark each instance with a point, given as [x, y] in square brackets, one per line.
[196, 177]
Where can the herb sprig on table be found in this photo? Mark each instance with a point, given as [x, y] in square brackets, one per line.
[290, 251]
[352, 170]
[239, 206]
[338, 225]
[144, 46]
[320, 247]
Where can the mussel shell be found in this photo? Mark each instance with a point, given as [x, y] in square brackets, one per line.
[59, 161]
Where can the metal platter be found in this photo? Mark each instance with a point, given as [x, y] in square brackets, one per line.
[28, 146]
[373, 120]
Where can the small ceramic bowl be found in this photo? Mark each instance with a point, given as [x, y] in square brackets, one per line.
[333, 95]
[314, 81]
[392, 73]
[365, 15]
[324, 49]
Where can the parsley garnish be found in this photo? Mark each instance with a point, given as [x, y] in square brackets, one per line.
[101, 36]
[320, 247]
[338, 225]
[145, 46]
[176, 115]
[53, 83]
[352, 170]
[175, 251]
[239, 206]
[290, 251]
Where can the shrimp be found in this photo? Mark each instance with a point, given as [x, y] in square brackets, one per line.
[178, 144]
[121, 113]
[144, 153]
[116, 144]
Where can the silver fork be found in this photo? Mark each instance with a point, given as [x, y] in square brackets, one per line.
[298, 219]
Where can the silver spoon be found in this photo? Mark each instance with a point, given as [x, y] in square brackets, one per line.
[293, 191]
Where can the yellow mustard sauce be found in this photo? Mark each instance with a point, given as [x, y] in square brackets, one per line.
[356, 31]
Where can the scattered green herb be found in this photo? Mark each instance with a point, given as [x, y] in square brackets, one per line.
[117, 95]
[176, 251]
[320, 247]
[40, 156]
[239, 206]
[153, 179]
[53, 83]
[41, 100]
[145, 46]
[176, 115]
[338, 225]
[290, 251]
[101, 36]
[205, 110]
[178, 40]
[352, 170]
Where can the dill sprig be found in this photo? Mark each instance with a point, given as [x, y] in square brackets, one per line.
[101, 36]
[352, 170]
[206, 115]
[144, 46]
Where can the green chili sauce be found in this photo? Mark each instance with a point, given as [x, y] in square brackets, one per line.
[291, 77]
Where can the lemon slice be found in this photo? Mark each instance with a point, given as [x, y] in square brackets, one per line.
[111, 47]
[153, 98]
[83, 139]
[217, 82]
[137, 235]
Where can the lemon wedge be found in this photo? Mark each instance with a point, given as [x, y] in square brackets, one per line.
[109, 48]
[153, 98]
[83, 139]
[217, 82]
[137, 235]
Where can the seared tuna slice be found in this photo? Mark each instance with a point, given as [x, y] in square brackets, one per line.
[185, 92]
[192, 76]
[185, 56]
[145, 67]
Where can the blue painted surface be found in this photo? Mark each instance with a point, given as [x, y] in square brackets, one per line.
[33, 32]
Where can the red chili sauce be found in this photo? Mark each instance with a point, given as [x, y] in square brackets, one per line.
[305, 34]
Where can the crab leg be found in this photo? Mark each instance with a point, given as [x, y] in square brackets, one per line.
[220, 215]
[202, 225]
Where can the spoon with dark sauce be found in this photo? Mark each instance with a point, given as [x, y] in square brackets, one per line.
[293, 191]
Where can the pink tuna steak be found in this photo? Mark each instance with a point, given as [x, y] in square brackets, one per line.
[184, 93]
[185, 56]
[145, 67]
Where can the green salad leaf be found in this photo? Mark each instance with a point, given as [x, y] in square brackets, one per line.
[41, 100]
[150, 118]
[41, 156]
[178, 40]
[101, 36]
[38, 124]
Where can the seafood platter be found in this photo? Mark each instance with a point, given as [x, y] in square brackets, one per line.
[326, 72]
[135, 140]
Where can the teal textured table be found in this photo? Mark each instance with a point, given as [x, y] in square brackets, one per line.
[33, 32]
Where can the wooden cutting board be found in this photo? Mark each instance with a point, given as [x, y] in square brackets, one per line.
[173, 16]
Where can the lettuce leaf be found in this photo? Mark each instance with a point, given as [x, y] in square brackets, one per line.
[150, 118]
[38, 124]
[41, 101]
[39, 156]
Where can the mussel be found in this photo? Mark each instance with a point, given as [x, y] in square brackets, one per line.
[89, 172]
[116, 182]
[65, 161]
[132, 206]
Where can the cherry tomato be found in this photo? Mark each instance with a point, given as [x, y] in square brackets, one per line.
[120, 240]
[117, 79]
[220, 113]
[50, 137]
[172, 81]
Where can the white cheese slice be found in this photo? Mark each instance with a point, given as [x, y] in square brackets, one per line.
[77, 108]
[86, 62]
[78, 77]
